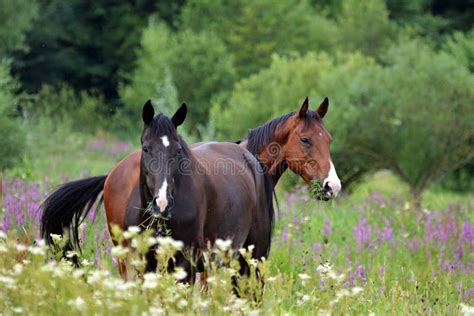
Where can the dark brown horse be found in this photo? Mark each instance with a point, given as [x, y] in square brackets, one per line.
[212, 191]
[297, 140]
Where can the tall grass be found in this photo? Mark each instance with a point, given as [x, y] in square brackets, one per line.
[367, 253]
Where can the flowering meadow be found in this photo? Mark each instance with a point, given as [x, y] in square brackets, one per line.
[362, 254]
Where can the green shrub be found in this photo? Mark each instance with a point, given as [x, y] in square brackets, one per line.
[414, 116]
[81, 110]
[254, 30]
[173, 68]
[12, 137]
[364, 26]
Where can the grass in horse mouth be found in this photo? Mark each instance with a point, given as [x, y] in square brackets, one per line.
[317, 190]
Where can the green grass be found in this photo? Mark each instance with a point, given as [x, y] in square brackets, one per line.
[404, 261]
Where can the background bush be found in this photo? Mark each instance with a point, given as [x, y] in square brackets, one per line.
[398, 75]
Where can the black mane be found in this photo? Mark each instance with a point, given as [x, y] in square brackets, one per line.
[265, 134]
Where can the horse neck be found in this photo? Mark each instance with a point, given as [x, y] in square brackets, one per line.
[275, 166]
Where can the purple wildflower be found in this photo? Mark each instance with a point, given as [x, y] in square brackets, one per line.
[327, 228]
[360, 271]
[362, 234]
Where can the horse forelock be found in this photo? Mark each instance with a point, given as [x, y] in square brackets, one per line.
[265, 134]
[163, 126]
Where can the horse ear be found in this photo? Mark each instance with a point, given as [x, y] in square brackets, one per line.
[304, 108]
[323, 107]
[148, 113]
[180, 115]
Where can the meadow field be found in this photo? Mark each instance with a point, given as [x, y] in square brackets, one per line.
[368, 252]
[391, 80]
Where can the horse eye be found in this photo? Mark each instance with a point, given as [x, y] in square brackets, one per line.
[305, 141]
[145, 149]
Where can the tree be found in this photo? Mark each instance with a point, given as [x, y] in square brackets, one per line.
[254, 30]
[195, 66]
[12, 140]
[86, 44]
[415, 116]
[364, 26]
[16, 17]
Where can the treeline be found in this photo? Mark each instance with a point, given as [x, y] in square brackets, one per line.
[398, 73]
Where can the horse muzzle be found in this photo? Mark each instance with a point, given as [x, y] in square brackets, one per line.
[162, 207]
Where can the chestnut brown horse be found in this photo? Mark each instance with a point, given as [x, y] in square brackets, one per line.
[297, 141]
[212, 191]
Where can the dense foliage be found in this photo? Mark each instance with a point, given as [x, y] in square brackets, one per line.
[239, 63]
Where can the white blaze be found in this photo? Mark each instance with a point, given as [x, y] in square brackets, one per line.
[165, 140]
[332, 180]
[161, 201]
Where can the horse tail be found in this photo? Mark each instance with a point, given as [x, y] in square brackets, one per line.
[67, 207]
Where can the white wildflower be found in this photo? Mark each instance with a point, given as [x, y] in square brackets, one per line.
[78, 273]
[169, 242]
[71, 254]
[157, 311]
[182, 303]
[41, 243]
[271, 279]
[56, 238]
[151, 241]
[179, 273]
[204, 304]
[324, 268]
[38, 251]
[58, 272]
[304, 276]
[3, 235]
[342, 293]
[131, 232]
[119, 251]
[78, 304]
[305, 298]
[211, 279]
[17, 268]
[150, 280]
[253, 262]
[223, 245]
[96, 276]
[466, 310]
[9, 282]
[85, 262]
[138, 263]
[335, 276]
[20, 247]
[249, 250]
[3, 248]
[18, 310]
[356, 290]
[49, 267]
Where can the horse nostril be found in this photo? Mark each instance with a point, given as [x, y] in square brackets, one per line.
[327, 188]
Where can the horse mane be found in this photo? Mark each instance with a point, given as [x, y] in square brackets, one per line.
[265, 134]
[162, 125]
